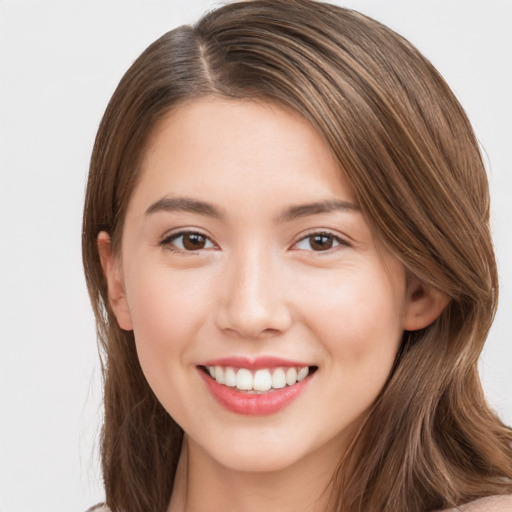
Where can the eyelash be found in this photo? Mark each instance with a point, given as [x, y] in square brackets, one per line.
[341, 242]
[168, 241]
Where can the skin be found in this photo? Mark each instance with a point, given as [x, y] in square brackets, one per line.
[257, 287]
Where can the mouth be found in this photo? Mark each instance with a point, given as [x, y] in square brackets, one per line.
[255, 391]
[259, 381]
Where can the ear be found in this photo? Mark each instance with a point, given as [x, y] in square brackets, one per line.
[115, 283]
[424, 304]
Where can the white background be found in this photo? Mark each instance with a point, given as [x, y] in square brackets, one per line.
[59, 63]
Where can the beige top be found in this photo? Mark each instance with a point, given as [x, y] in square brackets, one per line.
[491, 504]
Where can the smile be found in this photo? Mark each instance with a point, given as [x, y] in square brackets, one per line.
[259, 381]
[251, 389]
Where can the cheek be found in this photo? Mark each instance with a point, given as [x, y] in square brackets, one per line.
[357, 317]
[163, 302]
[357, 322]
[167, 310]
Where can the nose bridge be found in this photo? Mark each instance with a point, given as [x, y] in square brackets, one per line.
[253, 302]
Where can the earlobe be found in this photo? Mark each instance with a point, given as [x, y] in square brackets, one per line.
[114, 280]
[424, 304]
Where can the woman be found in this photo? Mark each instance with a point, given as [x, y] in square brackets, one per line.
[287, 248]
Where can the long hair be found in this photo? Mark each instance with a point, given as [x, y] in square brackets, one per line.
[409, 152]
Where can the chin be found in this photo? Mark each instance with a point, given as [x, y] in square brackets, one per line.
[257, 461]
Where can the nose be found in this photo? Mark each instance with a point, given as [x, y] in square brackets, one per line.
[252, 300]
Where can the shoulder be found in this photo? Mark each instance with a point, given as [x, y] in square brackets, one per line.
[490, 504]
[98, 508]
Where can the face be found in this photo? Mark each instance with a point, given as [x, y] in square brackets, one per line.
[245, 256]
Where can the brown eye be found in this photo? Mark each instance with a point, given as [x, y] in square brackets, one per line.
[188, 241]
[319, 242]
[193, 241]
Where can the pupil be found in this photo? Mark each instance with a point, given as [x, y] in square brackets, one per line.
[193, 241]
[321, 242]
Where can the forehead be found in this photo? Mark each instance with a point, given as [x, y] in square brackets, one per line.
[227, 148]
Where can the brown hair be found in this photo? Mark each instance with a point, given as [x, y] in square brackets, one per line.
[405, 144]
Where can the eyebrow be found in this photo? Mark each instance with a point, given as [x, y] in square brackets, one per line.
[318, 207]
[185, 204]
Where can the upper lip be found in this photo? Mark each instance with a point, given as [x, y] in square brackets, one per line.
[255, 363]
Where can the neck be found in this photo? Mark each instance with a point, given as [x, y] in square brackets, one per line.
[203, 485]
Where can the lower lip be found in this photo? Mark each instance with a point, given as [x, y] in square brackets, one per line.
[253, 404]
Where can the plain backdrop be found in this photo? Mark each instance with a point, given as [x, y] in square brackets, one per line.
[59, 64]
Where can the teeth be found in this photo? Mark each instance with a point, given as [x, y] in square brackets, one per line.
[279, 379]
[291, 376]
[244, 380]
[219, 374]
[262, 380]
[230, 377]
[301, 374]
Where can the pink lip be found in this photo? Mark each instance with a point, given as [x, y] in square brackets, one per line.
[252, 404]
[254, 363]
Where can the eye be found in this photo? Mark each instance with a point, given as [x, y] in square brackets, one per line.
[187, 241]
[319, 242]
